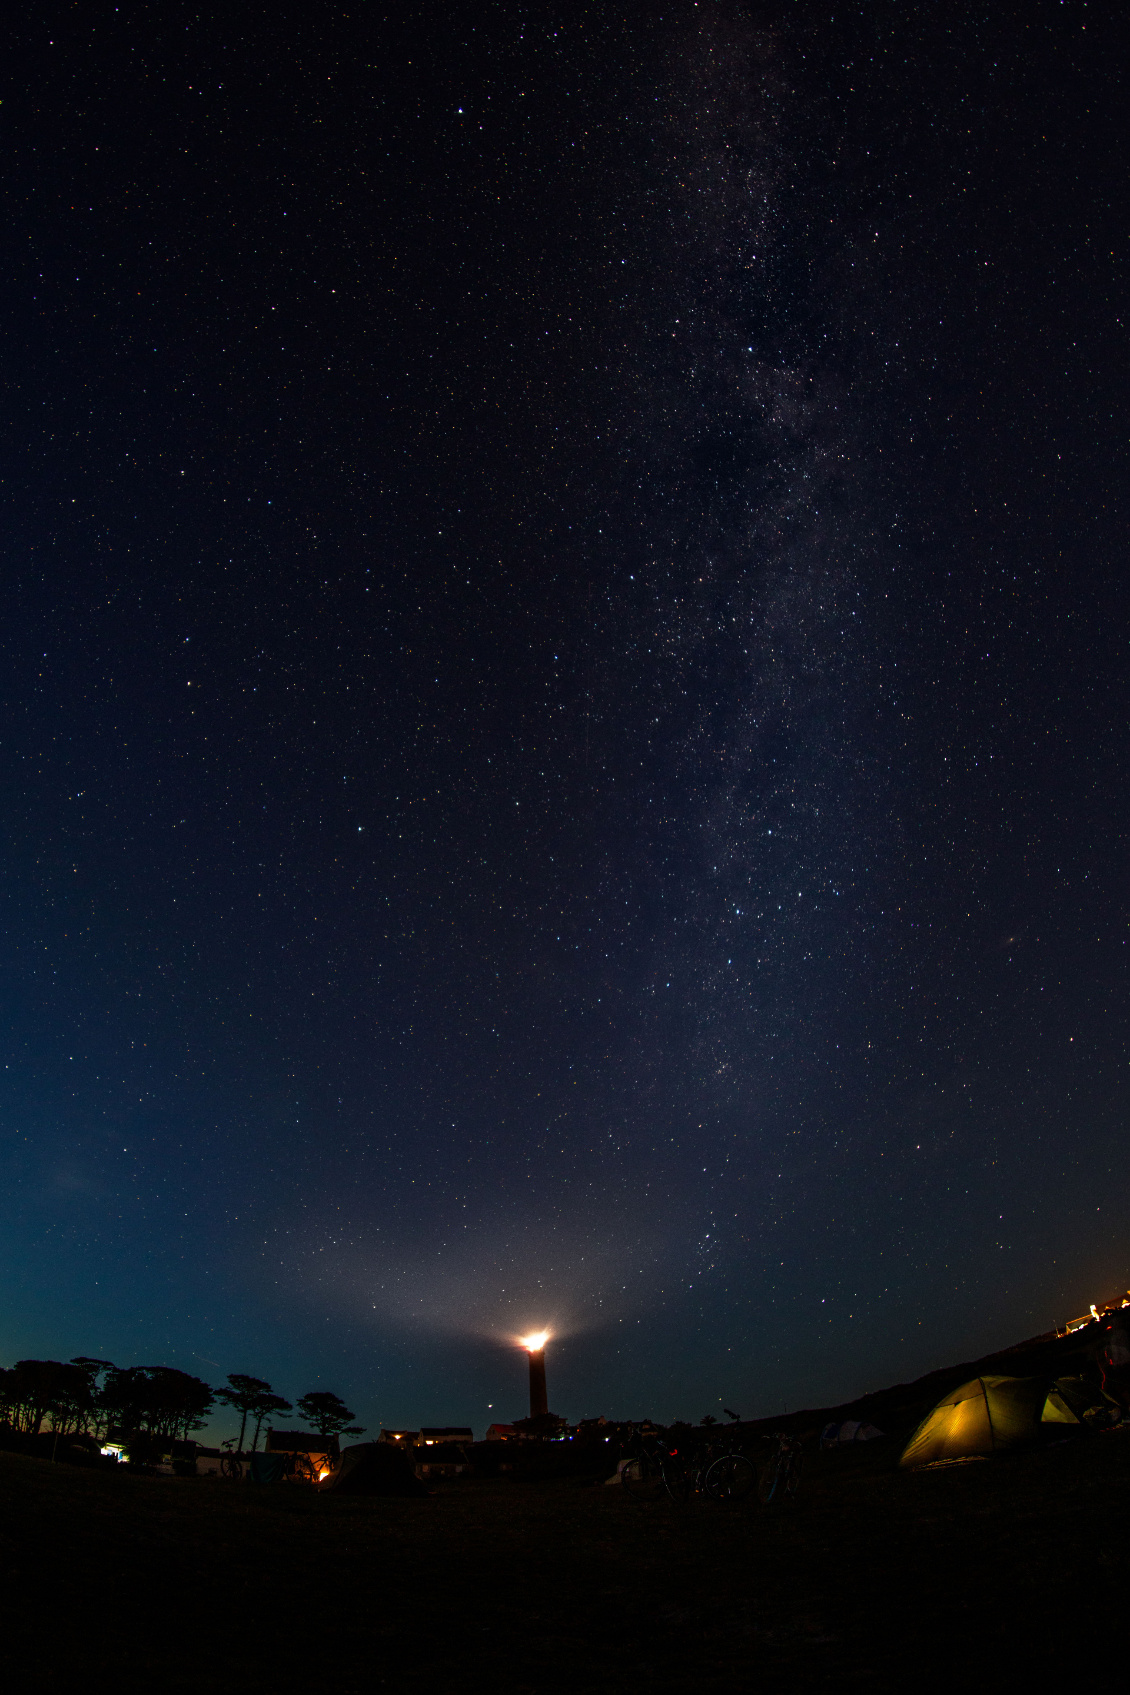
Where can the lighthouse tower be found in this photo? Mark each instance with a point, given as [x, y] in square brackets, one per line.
[535, 1347]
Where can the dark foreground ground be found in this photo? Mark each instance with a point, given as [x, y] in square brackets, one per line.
[873, 1579]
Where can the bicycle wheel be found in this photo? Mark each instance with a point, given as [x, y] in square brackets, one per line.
[678, 1478]
[642, 1477]
[730, 1478]
[231, 1467]
[769, 1482]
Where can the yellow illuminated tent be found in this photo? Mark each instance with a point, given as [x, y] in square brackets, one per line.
[989, 1414]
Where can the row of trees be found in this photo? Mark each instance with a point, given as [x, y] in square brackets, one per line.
[255, 1400]
[90, 1397]
[93, 1397]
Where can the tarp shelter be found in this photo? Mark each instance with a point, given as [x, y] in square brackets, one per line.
[991, 1414]
[375, 1468]
[268, 1468]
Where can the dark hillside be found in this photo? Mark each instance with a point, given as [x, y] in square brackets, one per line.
[898, 1409]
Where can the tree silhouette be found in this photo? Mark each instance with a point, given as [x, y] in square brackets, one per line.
[123, 1398]
[71, 1400]
[154, 1400]
[264, 1405]
[242, 1394]
[94, 1418]
[175, 1401]
[34, 1388]
[328, 1414]
[9, 1397]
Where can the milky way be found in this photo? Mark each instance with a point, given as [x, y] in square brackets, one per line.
[561, 714]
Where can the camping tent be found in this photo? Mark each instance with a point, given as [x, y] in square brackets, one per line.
[374, 1468]
[851, 1430]
[989, 1414]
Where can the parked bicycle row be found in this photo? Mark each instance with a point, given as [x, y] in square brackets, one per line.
[726, 1466]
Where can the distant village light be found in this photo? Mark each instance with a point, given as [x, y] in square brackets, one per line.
[1095, 1314]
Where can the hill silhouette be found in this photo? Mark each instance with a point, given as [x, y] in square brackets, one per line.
[900, 1407]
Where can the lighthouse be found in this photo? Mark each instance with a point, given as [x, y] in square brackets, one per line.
[535, 1347]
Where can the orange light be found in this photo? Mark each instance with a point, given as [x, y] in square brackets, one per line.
[536, 1342]
[322, 1475]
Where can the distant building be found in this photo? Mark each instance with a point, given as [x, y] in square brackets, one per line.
[433, 1434]
[501, 1433]
[442, 1450]
[403, 1438]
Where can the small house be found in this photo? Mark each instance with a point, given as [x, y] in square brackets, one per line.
[441, 1450]
[432, 1435]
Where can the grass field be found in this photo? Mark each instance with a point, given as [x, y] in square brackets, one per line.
[872, 1579]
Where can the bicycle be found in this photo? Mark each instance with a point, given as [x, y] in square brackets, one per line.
[780, 1474]
[659, 1468]
[655, 1469]
[730, 1477]
[725, 1472]
[304, 1469]
[720, 1469]
[231, 1465]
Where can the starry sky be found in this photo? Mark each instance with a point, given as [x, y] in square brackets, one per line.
[563, 694]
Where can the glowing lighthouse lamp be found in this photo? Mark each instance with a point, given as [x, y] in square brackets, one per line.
[535, 1346]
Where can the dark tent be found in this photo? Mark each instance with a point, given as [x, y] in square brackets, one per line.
[375, 1468]
[1075, 1400]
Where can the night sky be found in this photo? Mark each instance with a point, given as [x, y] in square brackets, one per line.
[563, 694]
